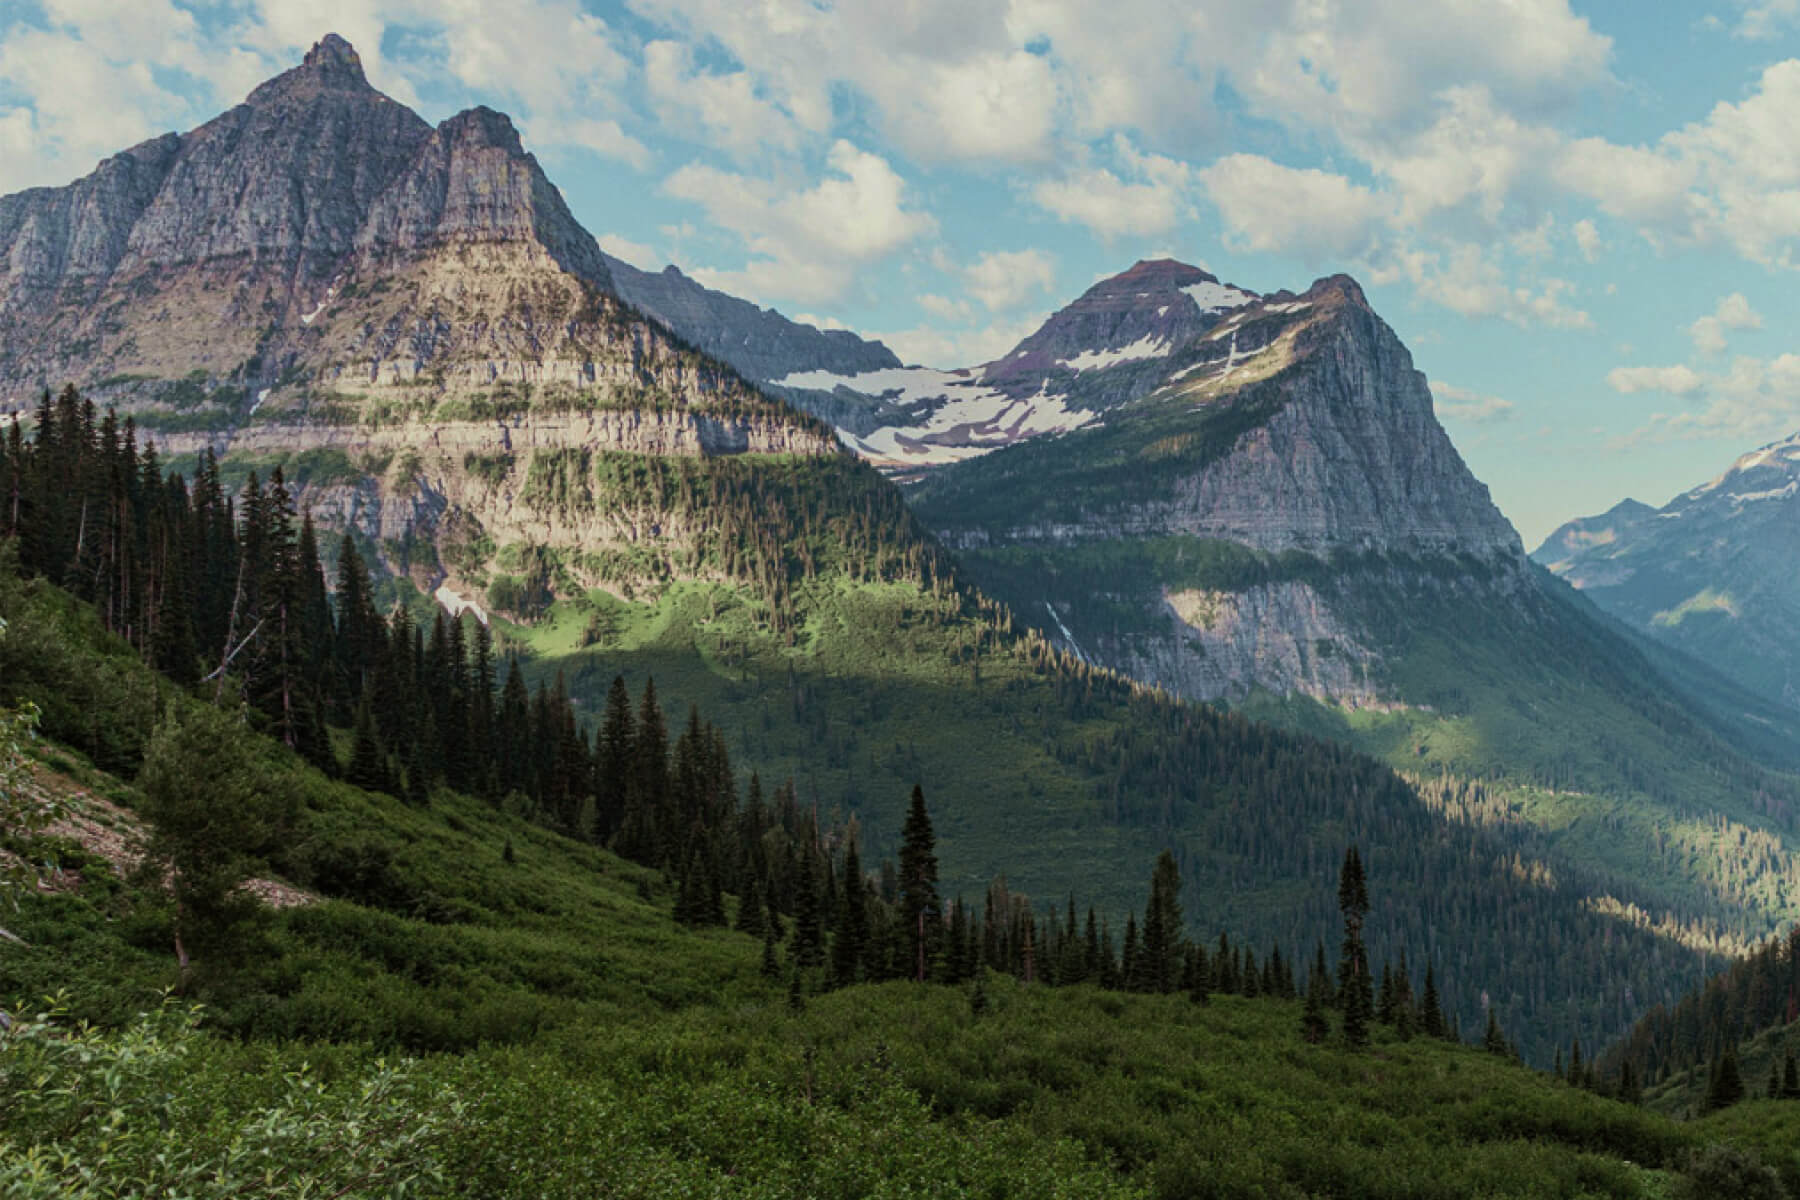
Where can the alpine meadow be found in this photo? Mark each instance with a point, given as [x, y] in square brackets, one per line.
[481, 718]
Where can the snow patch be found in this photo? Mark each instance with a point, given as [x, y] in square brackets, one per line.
[1145, 347]
[260, 397]
[312, 316]
[456, 605]
[1780, 493]
[1217, 297]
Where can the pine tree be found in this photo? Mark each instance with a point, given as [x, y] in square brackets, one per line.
[809, 931]
[1431, 1009]
[918, 884]
[1790, 1079]
[1132, 957]
[1494, 1042]
[1163, 927]
[1725, 1086]
[1353, 965]
[853, 923]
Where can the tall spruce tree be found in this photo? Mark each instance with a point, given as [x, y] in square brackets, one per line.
[852, 932]
[1163, 928]
[919, 906]
[1354, 984]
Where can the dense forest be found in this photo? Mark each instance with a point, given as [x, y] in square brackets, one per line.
[227, 593]
[421, 917]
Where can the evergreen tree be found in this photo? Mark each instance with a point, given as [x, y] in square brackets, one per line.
[368, 763]
[1131, 958]
[1431, 1009]
[1790, 1079]
[1162, 935]
[1494, 1042]
[919, 909]
[808, 950]
[1725, 1087]
[853, 923]
[1353, 964]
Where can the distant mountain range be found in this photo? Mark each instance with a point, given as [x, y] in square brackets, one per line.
[1715, 572]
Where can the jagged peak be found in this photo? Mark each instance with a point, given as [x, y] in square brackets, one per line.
[332, 65]
[1337, 285]
[482, 126]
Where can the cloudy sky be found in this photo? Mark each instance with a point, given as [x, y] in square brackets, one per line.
[1585, 222]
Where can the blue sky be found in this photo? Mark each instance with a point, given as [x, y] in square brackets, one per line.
[1583, 219]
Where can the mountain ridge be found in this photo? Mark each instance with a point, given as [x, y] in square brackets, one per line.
[1710, 573]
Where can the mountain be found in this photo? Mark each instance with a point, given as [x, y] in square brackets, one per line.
[408, 317]
[1711, 573]
[1245, 445]
[761, 343]
[1269, 514]
[407, 322]
[1104, 349]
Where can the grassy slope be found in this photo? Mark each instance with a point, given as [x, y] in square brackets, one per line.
[602, 1049]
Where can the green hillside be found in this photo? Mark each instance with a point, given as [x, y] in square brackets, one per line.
[863, 668]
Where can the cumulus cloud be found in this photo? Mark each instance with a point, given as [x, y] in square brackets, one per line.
[1587, 239]
[1751, 400]
[805, 245]
[725, 108]
[1311, 213]
[1734, 313]
[1149, 194]
[1004, 279]
[1677, 380]
[638, 254]
[1454, 403]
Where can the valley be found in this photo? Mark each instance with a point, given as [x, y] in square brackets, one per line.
[573, 636]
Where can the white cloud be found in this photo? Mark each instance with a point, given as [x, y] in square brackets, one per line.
[1005, 279]
[1310, 213]
[1369, 70]
[1733, 312]
[1454, 403]
[1752, 400]
[805, 245]
[638, 254]
[1766, 20]
[1675, 381]
[725, 107]
[1587, 239]
[1149, 195]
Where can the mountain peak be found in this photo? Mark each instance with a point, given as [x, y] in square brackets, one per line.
[332, 65]
[483, 126]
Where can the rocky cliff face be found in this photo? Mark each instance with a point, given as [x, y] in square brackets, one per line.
[1715, 572]
[320, 276]
[1281, 461]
